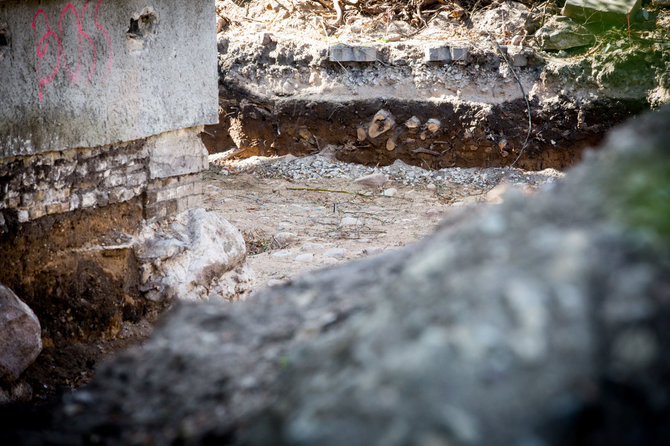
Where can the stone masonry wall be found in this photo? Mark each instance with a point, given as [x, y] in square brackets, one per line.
[58, 182]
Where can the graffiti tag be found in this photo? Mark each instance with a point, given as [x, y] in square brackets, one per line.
[55, 37]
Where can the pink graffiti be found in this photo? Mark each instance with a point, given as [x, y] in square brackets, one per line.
[57, 37]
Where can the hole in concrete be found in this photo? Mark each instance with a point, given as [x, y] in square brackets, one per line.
[143, 24]
[4, 35]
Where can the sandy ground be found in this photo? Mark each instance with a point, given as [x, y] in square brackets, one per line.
[292, 226]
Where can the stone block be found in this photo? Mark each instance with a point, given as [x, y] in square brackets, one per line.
[75, 202]
[460, 54]
[37, 212]
[437, 54]
[58, 208]
[612, 11]
[88, 199]
[136, 179]
[22, 216]
[179, 152]
[120, 194]
[344, 53]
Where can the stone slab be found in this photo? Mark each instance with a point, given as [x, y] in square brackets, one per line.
[110, 71]
[460, 54]
[437, 54]
[590, 11]
[344, 53]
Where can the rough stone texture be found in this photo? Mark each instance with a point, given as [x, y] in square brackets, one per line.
[601, 10]
[20, 335]
[164, 166]
[188, 259]
[539, 321]
[177, 153]
[57, 97]
[560, 33]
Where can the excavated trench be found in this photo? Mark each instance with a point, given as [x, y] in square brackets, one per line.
[286, 96]
[466, 134]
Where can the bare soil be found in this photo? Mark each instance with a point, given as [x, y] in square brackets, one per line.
[293, 226]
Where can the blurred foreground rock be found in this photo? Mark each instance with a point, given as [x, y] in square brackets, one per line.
[540, 321]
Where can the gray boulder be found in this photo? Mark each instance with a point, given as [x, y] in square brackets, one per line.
[540, 321]
[20, 336]
[561, 33]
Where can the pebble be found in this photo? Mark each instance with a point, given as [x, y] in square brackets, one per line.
[305, 258]
[281, 253]
[337, 253]
[311, 247]
[276, 282]
[390, 192]
[372, 251]
[315, 167]
[284, 238]
[373, 180]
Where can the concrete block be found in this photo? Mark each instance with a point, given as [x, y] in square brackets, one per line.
[437, 54]
[612, 11]
[460, 54]
[83, 108]
[37, 212]
[344, 53]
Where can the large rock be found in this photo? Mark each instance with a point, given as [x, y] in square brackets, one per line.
[540, 321]
[198, 255]
[20, 335]
[561, 33]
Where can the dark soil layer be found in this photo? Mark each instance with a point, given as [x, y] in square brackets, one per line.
[470, 134]
[83, 295]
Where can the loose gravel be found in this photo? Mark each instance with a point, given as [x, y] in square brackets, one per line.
[317, 167]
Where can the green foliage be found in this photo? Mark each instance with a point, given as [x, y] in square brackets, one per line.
[641, 195]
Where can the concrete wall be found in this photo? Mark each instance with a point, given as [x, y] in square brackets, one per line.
[89, 73]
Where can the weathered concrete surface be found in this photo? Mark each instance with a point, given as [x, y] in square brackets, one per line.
[535, 322]
[92, 73]
[20, 335]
